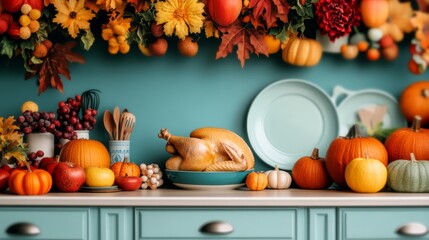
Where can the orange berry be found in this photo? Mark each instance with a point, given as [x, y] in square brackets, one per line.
[273, 44]
[107, 33]
[24, 20]
[34, 14]
[124, 48]
[40, 50]
[48, 44]
[34, 26]
[113, 49]
[159, 47]
[119, 30]
[121, 39]
[24, 33]
[363, 46]
[373, 54]
[26, 8]
[113, 42]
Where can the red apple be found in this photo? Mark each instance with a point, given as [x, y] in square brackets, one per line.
[6, 167]
[128, 183]
[7, 17]
[35, 4]
[4, 178]
[68, 177]
[3, 26]
[13, 30]
[44, 162]
[12, 6]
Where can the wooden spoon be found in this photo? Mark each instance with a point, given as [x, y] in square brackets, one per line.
[109, 124]
[116, 116]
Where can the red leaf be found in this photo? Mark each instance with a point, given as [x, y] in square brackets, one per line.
[270, 11]
[247, 41]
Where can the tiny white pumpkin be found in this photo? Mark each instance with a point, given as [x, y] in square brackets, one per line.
[278, 179]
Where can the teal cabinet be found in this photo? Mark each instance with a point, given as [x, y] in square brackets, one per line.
[322, 223]
[383, 223]
[116, 223]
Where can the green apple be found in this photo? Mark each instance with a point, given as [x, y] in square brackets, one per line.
[99, 177]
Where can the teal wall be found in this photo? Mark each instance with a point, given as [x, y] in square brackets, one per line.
[182, 94]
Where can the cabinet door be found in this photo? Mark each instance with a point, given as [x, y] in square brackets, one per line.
[52, 223]
[382, 223]
[321, 223]
[221, 223]
[116, 223]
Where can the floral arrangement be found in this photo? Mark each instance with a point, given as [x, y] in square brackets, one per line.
[11, 141]
[44, 33]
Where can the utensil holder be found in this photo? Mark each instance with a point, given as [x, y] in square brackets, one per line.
[119, 149]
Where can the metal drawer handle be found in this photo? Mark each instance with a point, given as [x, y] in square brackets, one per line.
[24, 229]
[217, 227]
[412, 229]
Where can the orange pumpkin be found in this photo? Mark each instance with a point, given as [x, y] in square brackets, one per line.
[27, 182]
[85, 153]
[310, 172]
[125, 168]
[302, 52]
[344, 149]
[374, 12]
[414, 101]
[404, 141]
[256, 181]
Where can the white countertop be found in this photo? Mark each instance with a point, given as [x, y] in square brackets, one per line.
[217, 198]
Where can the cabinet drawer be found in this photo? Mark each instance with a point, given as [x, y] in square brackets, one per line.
[53, 223]
[255, 223]
[379, 223]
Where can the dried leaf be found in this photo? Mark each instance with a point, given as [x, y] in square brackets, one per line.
[247, 41]
[270, 11]
[210, 29]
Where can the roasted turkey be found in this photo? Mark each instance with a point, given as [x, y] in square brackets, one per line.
[208, 149]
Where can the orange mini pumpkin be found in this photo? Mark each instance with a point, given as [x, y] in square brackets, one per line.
[85, 153]
[28, 182]
[404, 141]
[256, 181]
[310, 172]
[302, 52]
[374, 12]
[125, 168]
[344, 149]
[414, 101]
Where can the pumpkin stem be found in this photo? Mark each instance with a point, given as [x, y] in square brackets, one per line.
[276, 167]
[417, 123]
[315, 154]
[366, 155]
[425, 93]
[27, 165]
[354, 131]
[413, 157]
[126, 160]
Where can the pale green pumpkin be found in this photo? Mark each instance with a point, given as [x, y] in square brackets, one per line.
[408, 176]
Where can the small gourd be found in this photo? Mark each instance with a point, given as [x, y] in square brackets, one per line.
[278, 179]
[302, 52]
[366, 175]
[408, 176]
[30, 182]
[256, 181]
[125, 168]
[310, 172]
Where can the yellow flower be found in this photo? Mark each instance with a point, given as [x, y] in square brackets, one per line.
[73, 15]
[180, 16]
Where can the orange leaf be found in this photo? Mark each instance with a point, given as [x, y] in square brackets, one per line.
[270, 11]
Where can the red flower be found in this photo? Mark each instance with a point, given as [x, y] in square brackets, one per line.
[336, 18]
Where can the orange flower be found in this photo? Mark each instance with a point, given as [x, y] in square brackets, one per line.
[72, 15]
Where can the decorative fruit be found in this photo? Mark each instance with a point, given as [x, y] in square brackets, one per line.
[302, 52]
[373, 54]
[127, 183]
[85, 153]
[187, 47]
[26, 8]
[13, 30]
[49, 164]
[30, 182]
[344, 149]
[273, 43]
[151, 176]
[408, 176]
[414, 101]
[4, 178]
[417, 65]
[256, 181]
[3, 26]
[99, 177]
[12, 6]
[374, 12]
[310, 172]
[404, 141]
[349, 52]
[35, 4]
[156, 29]
[366, 175]
[159, 47]
[40, 50]
[390, 53]
[7, 17]
[278, 179]
[125, 168]
[386, 41]
[375, 34]
[68, 177]
[223, 12]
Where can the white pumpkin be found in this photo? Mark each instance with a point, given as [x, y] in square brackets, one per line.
[278, 179]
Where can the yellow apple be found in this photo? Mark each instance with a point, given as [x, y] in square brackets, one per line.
[99, 177]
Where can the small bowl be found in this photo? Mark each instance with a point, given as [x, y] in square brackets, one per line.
[207, 180]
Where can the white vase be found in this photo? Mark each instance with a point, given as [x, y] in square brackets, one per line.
[41, 141]
[331, 47]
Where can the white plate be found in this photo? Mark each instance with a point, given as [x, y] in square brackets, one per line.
[350, 102]
[208, 187]
[288, 119]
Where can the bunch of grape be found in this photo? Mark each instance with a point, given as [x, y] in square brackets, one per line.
[116, 34]
[37, 122]
[70, 120]
[34, 156]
